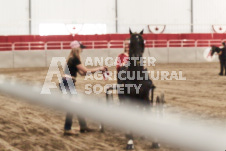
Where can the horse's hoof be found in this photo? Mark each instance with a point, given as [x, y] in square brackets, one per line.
[101, 128]
[162, 98]
[155, 145]
[157, 99]
[130, 145]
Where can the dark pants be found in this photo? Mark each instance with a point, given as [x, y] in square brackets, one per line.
[69, 116]
[223, 66]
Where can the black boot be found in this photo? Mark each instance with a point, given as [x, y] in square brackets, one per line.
[86, 129]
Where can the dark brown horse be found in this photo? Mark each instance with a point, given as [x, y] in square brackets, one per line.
[128, 75]
[135, 75]
[222, 57]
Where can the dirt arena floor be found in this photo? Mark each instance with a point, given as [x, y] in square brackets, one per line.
[27, 127]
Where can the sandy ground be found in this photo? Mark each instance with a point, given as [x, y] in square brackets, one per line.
[27, 127]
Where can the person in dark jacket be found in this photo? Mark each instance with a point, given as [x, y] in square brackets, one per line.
[75, 66]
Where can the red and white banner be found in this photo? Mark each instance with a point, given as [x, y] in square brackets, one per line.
[74, 28]
[156, 29]
[219, 28]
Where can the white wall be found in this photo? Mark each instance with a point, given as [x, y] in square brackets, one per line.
[208, 12]
[73, 12]
[6, 59]
[34, 58]
[137, 14]
[14, 17]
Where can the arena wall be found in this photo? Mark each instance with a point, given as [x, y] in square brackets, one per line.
[182, 55]
[175, 14]
[101, 53]
[14, 17]
[160, 54]
[34, 58]
[55, 53]
[41, 58]
[6, 59]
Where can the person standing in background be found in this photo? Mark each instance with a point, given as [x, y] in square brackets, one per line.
[75, 66]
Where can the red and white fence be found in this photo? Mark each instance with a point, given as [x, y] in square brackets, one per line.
[39, 54]
[61, 45]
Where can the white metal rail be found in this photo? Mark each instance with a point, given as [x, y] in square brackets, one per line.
[61, 45]
[184, 134]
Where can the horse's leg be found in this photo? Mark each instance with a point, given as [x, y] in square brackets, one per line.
[152, 93]
[160, 100]
[130, 144]
[225, 66]
[222, 66]
[155, 143]
[108, 98]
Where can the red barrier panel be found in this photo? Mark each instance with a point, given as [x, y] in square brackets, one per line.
[109, 37]
[35, 42]
[6, 46]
